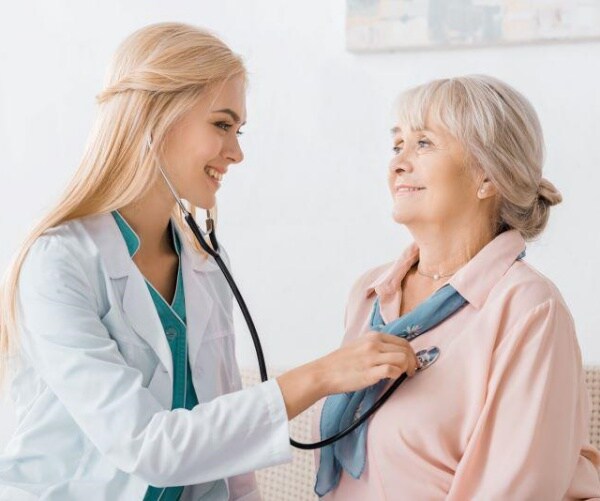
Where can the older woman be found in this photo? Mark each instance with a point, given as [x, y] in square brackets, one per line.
[503, 412]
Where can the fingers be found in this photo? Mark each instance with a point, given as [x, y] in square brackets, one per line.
[367, 360]
[404, 361]
[388, 349]
[386, 342]
[385, 372]
[384, 338]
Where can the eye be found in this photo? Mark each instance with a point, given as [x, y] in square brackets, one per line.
[397, 149]
[227, 127]
[223, 126]
[423, 143]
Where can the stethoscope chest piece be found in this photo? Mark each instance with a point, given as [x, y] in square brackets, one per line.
[427, 357]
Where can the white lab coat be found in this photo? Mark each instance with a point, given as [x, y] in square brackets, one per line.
[93, 386]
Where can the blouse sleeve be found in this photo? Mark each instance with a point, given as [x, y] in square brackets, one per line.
[528, 441]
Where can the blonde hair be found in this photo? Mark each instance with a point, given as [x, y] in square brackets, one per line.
[502, 135]
[157, 74]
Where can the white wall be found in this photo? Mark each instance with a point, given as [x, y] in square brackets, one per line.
[308, 210]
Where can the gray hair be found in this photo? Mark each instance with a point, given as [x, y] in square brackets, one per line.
[501, 132]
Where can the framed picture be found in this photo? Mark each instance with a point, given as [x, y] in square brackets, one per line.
[383, 25]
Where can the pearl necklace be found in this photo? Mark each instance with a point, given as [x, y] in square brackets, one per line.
[436, 276]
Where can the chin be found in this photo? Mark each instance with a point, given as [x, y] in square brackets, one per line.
[402, 217]
[205, 201]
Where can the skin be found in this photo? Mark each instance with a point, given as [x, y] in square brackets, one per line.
[207, 135]
[450, 218]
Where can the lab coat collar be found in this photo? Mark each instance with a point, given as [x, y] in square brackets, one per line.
[198, 261]
[474, 281]
[110, 242]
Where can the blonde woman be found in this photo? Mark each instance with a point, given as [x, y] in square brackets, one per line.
[502, 413]
[119, 330]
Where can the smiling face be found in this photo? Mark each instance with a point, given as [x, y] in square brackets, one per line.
[203, 143]
[429, 179]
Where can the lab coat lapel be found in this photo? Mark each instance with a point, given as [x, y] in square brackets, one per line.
[141, 313]
[129, 286]
[198, 301]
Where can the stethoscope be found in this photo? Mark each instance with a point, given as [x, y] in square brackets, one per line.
[424, 357]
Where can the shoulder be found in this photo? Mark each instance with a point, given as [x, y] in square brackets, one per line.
[68, 242]
[64, 254]
[530, 302]
[526, 287]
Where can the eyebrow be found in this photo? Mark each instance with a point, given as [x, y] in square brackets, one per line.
[231, 113]
[397, 130]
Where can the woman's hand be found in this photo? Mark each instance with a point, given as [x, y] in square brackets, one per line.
[356, 365]
[367, 360]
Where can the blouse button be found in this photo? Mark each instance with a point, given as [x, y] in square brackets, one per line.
[171, 332]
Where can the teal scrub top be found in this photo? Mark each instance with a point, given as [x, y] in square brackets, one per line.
[173, 319]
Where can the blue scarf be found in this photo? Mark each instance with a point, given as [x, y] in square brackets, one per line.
[342, 409]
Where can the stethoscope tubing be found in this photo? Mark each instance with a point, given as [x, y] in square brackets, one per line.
[213, 251]
[215, 254]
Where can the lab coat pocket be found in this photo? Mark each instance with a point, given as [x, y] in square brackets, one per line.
[135, 351]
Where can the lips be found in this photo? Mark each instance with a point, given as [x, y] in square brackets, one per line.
[214, 173]
[406, 188]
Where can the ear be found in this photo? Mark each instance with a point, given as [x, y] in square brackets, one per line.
[486, 189]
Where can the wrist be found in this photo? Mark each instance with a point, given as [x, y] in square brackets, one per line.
[317, 375]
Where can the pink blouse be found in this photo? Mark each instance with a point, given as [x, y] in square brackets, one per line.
[502, 414]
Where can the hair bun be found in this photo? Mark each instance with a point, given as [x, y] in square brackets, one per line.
[548, 192]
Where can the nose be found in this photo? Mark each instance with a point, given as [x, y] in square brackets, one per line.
[400, 164]
[233, 151]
